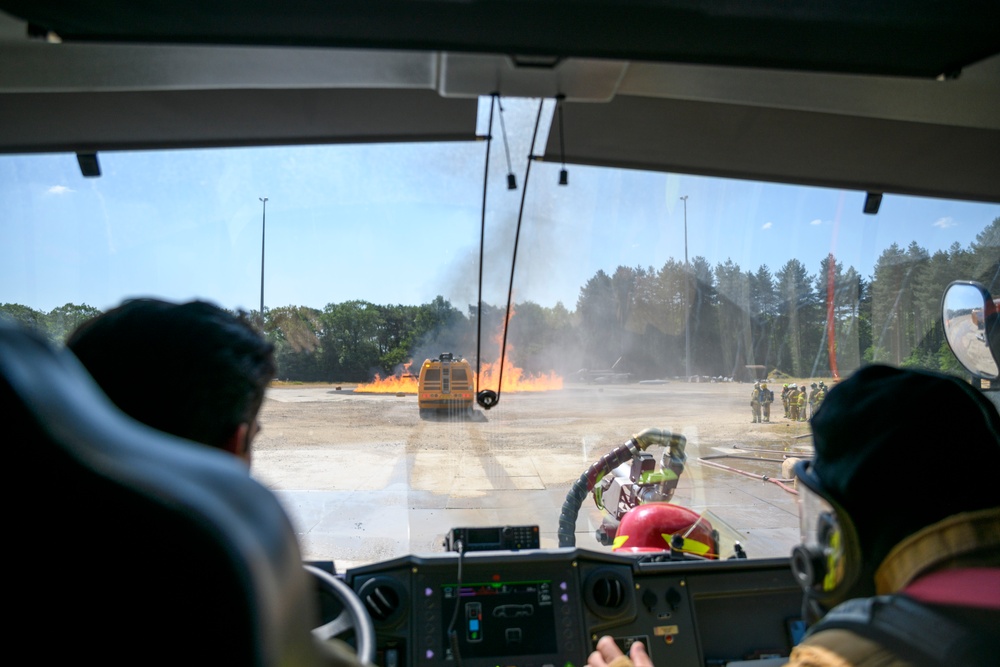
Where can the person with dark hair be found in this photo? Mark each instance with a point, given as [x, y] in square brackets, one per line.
[193, 369]
[900, 563]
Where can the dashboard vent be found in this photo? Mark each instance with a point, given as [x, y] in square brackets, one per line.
[607, 593]
[384, 598]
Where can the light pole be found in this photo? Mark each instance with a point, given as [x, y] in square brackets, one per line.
[687, 305]
[263, 227]
[685, 200]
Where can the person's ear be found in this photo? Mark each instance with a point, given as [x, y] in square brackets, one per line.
[238, 444]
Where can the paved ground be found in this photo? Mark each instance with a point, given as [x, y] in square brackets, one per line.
[365, 478]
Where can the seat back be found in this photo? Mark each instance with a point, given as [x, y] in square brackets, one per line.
[138, 547]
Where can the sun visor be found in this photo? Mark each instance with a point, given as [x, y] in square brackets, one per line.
[782, 145]
[151, 119]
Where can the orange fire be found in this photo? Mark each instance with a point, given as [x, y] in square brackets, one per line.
[404, 382]
[514, 378]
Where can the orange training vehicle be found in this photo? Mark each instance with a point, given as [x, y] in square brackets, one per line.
[445, 383]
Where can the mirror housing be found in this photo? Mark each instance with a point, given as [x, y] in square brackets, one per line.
[971, 319]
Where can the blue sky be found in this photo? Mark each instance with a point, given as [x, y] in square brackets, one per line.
[400, 224]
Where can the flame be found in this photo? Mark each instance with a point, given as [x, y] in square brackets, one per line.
[514, 378]
[403, 382]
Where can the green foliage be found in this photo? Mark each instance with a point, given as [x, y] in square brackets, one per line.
[62, 321]
[599, 320]
[984, 257]
[920, 358]
[947, 362]
[23, 315]
[735, 317]
[55, 325]
[350, 340]
[297, 326]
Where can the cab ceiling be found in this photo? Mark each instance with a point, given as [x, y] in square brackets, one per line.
[922, 38]
[878, 96]
[875, 134]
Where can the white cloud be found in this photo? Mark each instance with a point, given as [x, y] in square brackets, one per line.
[59, 190]
[815, 222]
[945, 223]
[767, 225]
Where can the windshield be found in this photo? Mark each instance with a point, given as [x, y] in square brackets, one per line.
[638, 300]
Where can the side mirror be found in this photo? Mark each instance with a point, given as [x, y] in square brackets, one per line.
[972, 327]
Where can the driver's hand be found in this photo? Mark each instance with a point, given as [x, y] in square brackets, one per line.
[609, 655]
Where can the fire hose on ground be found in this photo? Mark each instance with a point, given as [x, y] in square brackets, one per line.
[780, 482]
[739, 456]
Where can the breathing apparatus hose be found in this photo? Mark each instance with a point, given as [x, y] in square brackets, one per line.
[604, 465]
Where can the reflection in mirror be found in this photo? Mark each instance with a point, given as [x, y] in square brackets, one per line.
[970, 316]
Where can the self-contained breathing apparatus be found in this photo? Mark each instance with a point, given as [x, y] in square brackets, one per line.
[636, 482]
[635, 496]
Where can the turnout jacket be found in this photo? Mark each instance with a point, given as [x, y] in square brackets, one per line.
[938, 604]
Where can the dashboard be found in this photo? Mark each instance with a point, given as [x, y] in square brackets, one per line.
[548, 608]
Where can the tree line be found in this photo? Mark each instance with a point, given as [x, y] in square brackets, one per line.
[779, 319]
[635, 318]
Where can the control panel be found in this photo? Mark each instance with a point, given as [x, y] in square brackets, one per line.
[548, 608]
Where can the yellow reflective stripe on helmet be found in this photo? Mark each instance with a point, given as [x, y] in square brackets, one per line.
[690, 546]
[619, 541]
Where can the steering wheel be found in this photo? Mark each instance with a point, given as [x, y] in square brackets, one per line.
[353, 617]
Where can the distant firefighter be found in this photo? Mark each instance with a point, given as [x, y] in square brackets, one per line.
[755, 403]
[766, 398]
[820, 395]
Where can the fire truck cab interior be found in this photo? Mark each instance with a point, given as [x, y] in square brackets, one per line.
[877, 97]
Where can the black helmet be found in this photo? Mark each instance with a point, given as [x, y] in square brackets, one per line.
[872, 461]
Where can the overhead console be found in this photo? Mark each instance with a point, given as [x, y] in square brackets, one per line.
[548, 608]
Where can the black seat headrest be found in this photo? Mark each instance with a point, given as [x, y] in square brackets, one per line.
[138, 547]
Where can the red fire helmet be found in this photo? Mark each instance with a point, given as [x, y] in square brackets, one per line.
[654, 527]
